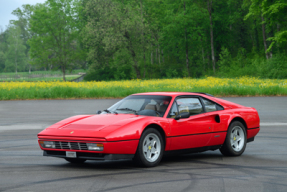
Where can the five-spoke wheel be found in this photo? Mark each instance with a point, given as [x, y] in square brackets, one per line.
[150, 148]
[235, 141]
[237, 138]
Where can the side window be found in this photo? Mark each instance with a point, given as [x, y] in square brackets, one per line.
[191, 105]
[210, 106]
[173, 112]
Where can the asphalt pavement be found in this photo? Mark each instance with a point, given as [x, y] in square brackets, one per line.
[262, 167]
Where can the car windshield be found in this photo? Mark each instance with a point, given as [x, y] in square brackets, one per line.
[149, 105]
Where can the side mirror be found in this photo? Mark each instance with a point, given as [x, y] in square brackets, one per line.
[183, 115]
[99, 112]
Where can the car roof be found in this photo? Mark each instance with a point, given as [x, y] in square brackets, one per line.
[174, 93]
[205, 95]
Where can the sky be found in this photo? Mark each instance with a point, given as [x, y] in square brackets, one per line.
[7, 6]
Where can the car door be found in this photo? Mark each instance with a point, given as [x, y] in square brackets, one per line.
[192, 132]
[215, 113]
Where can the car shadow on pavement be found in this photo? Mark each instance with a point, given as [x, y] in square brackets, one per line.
[168, 160]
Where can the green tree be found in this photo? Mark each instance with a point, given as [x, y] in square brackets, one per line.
[256, 10]
[2, 50]
[2, 61]
[56, 27]
[23, 22]
[15, 55]
[276, 12]
[113, 27]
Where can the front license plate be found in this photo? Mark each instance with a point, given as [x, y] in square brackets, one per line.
[71, 154]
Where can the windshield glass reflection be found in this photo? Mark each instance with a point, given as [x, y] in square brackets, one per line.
[148, 105]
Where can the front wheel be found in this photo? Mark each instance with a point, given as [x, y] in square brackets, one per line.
[150, 148]
[235, 141]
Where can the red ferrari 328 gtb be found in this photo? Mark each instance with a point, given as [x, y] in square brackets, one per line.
[145, 126]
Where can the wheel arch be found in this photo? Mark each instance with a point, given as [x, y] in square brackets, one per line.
[241, 120]
[159, 129]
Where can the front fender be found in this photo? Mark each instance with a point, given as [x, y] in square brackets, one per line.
[133, 130]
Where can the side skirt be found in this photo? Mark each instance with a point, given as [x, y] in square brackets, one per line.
[192, 150]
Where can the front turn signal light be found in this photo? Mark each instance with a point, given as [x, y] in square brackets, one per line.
[95, 147]
[47, 144]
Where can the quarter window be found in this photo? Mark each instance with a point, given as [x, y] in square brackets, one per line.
[210, 106]
[173, 112]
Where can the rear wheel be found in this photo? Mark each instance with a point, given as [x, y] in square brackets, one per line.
[150, 148]
[235, 141]
[75, 161]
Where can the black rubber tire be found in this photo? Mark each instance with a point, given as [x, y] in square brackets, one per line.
[226, 148]
[75, 161]
[139, 158]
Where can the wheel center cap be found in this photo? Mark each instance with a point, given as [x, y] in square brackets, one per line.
[149, 147]
[234, 138]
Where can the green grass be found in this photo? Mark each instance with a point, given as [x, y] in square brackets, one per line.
[118, 89]
[118, 92]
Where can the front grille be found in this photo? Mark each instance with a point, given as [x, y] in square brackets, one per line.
[71, 145]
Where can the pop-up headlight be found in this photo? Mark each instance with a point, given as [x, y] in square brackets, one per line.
[47, 144]
[95, 147]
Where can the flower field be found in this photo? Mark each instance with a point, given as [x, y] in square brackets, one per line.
[244, 86]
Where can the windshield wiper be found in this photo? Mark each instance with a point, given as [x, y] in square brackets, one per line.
[128, 109]
[108, 111]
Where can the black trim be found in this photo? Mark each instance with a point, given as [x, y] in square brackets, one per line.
[192, 150]
[253, 128]
[89, 156]
[196, 134]
[116, 141]
[250, 139]
[118, 156]
[203, 93]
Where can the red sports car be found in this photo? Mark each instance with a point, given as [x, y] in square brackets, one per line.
[145, 126]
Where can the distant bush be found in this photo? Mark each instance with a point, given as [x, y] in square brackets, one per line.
[107, 73]
[275, 67]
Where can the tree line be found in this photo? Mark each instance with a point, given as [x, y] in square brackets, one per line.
[126, 39]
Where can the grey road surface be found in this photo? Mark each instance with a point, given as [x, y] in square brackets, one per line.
[262, 167]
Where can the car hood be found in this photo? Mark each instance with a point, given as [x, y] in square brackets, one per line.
[98, 126]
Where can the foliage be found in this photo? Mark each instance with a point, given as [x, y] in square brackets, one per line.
[15, 55]
[117, 89]
[146, 39]
[23, 22]
[2, 61]
[55, 24]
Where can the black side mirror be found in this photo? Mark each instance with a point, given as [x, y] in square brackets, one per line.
[99, 112]
[183, 115]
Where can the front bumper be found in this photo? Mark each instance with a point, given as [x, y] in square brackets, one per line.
[117, 147]
[89, 156]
